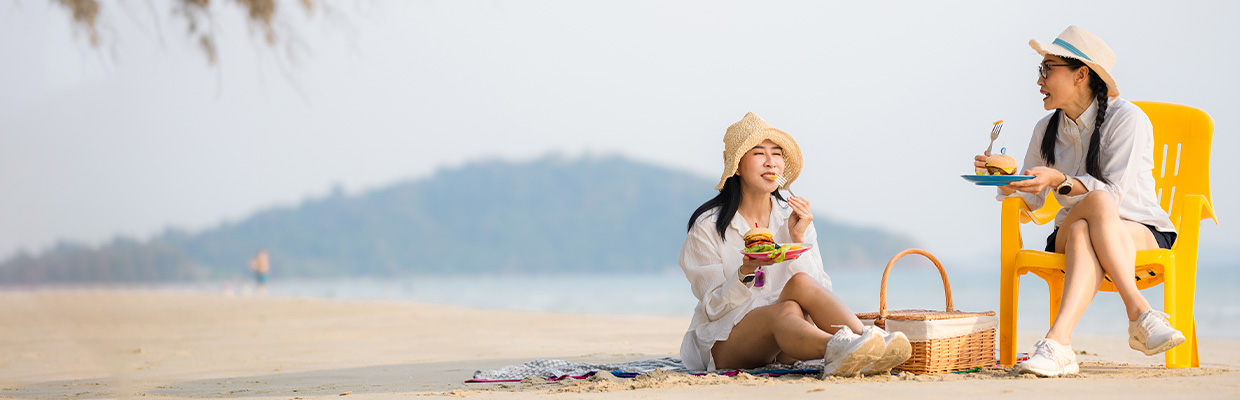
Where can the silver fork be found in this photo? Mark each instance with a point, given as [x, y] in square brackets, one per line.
[783, 182]
[994, 134]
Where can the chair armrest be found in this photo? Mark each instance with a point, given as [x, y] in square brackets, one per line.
[1050, 208]
[1196, 208]
[1040, 216]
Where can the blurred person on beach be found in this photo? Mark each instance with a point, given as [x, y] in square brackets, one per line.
[788, 313]
[1095, 152]
[260, 265]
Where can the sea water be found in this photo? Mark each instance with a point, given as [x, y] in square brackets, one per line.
[668, 294]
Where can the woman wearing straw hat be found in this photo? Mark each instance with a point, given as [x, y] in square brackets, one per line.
[1096, 153]
[793, 315]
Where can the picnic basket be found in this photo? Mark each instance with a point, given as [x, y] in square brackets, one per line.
[943, 341]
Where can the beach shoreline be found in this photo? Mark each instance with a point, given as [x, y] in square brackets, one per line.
[112, 343]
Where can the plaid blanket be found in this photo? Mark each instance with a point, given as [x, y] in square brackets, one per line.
[557, 368]
[560, 369]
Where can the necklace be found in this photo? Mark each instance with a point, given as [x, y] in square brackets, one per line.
[756, 222]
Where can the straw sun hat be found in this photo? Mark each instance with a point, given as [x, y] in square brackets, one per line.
[750, 132]
[1078, 43]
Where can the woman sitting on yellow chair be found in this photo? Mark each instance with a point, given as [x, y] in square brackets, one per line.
[1096, 153]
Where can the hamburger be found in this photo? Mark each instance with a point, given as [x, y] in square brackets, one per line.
[759, 240]
[1000, 164]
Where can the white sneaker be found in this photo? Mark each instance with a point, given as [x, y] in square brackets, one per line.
[1152, 333]
[897, 351]
[1050, 359]
[847, 353]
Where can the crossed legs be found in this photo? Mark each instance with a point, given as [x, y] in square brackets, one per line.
[1095, 241]
[785, 330]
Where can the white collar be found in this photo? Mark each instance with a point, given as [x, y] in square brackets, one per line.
[1084, 122]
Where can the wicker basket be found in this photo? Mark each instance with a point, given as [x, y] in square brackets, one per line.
[943, 341]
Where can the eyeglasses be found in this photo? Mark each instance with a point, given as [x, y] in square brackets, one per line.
[1045, 69]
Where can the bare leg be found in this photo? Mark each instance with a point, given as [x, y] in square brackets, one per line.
[781, 332]
[1115, 244]
[824, 307]
[1097, 242]
[1118, 252]
[1121, 269]
[784, 358]
[766, 332]
[1082, 280]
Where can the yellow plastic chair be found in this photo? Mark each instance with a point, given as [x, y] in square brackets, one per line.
[1182, 137]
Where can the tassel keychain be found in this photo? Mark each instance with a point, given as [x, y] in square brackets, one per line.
[759, 278]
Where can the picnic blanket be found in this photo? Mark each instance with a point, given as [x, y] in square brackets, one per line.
[549, 368]
[560, 369]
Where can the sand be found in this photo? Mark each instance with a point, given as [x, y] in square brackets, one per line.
[128, 344]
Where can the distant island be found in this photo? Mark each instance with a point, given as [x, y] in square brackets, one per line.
[550, 215]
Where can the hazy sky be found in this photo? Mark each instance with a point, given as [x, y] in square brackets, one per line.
[888, 100]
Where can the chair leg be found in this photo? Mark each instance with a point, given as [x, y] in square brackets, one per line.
[1178, 295]
[1009, 293]
[1193, 338]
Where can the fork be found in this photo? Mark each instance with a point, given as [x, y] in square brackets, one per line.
[994, 134]
[783, 182]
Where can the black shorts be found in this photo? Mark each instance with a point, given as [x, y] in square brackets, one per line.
[1165, 239]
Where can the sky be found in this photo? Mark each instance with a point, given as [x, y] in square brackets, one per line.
[889, 101]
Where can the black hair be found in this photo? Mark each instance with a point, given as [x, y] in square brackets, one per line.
[1099, 88]
[727, 201]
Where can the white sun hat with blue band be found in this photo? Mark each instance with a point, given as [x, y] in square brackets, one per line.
[1078, 43]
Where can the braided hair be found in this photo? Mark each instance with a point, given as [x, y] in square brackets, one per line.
[1099, 88]
[728, 201]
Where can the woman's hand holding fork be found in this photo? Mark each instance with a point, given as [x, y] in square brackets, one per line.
[800, 220]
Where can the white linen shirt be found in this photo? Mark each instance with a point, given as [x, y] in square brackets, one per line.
[712, 266]
[1126, 156]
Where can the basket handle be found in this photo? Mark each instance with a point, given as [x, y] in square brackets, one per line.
[882, 294]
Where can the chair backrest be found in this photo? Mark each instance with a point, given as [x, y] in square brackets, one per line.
[1182, 140]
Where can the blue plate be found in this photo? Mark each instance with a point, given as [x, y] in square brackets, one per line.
[994, 180]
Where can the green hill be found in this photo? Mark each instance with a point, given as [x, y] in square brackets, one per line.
[590, 214]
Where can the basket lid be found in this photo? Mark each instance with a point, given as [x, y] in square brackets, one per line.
[924, 315]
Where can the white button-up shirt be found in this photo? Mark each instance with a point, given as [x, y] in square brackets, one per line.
[712, 265]
[1126, 156]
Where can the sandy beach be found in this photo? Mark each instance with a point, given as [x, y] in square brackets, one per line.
[128, 344]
